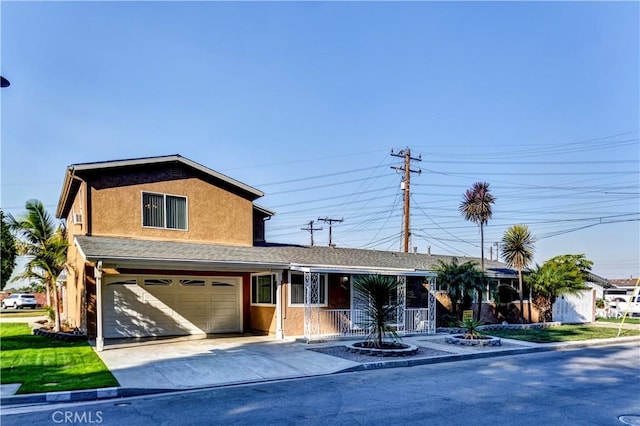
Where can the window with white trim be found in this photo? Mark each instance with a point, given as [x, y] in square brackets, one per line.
[296, 289]
[164, 211]
[263, 289]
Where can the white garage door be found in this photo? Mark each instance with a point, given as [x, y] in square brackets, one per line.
[168, 306]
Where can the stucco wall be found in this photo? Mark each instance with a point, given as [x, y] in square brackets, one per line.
[214, 215]
[263, 319]
[75, 286]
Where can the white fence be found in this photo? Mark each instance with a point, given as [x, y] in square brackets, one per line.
[352, 322]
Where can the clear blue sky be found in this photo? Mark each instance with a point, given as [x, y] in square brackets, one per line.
[306, 100]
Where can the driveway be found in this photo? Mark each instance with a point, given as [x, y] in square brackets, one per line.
[182, 364]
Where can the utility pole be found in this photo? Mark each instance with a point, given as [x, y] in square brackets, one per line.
[497, 244]
[330, 222]
[406, 153]
[310, 228]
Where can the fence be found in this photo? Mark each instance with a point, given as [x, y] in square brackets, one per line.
[352, 322]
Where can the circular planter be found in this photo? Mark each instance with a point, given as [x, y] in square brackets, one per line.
[388, 349]
[459, 339]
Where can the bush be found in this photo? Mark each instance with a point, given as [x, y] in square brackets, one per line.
[51, 312]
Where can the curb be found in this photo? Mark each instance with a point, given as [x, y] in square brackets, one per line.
[78, 396]
[115, 392]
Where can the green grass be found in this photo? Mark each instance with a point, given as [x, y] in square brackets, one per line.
[22, 313]
[562, 333]
[627, 320]
[43, 364]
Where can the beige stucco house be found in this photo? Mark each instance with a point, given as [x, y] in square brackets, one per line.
[164, 246]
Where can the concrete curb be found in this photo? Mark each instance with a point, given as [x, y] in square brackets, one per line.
[78, 396]
[114, 392]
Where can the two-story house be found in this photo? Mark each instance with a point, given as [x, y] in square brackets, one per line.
[164, 246]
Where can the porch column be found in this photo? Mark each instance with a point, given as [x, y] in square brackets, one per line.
[99, 335]
[402, 303]
[311, 302]
[279, 305]
[433, 305]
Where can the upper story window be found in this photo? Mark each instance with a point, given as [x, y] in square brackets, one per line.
[164, 211]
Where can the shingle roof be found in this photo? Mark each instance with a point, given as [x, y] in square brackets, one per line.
[134, 250]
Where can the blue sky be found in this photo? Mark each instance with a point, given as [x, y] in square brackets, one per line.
[305, 100]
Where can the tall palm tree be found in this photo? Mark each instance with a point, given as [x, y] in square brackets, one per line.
[45, 243]
[517, 251]
[476, 207]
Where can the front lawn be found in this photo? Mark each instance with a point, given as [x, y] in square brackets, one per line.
[562, 333]
[21, 313]
[47, 365]
[627, 320]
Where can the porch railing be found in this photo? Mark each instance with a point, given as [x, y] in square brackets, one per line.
[350, 322]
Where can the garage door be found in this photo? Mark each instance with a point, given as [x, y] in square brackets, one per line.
[168, 306]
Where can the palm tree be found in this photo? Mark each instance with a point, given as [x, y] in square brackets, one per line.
[381, 308]
[517, 251]
[460, 281]
[46, 244]
[476, 207]
[8, 252]
[557, 276]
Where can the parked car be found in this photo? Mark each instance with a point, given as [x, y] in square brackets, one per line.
[632, 307]
[20, 301]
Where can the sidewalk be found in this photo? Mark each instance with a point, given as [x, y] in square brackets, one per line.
[164, 366]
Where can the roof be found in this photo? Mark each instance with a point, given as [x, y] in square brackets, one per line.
[73, 174]
[127, 251]
[624, 282]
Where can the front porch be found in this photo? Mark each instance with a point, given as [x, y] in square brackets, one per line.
[416, 313]
[348, 323]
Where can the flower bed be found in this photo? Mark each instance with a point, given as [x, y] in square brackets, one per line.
[70, 337]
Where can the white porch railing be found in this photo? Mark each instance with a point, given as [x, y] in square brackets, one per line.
[350, 322]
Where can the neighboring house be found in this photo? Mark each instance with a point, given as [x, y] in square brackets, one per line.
[164, 246]
[597, 283]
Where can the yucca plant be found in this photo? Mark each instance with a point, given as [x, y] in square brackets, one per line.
[381, 308]
[471, 328]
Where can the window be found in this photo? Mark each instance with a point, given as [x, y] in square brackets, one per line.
[157, 281]
[263, 289]
[296, 292]
[164, 211]
[192, 283]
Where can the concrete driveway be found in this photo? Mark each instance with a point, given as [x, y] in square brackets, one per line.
[183, 364]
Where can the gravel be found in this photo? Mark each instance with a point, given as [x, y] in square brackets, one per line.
[342, 352]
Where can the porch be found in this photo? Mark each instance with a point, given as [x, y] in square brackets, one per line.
[416, 312]
[350, 323]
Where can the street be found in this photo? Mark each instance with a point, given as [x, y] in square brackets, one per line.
[592, 386]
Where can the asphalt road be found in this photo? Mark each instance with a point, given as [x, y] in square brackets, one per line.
[593, 386]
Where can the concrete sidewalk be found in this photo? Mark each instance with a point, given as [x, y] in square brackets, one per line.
[179, 364]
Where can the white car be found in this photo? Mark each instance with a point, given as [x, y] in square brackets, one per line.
[20, 301]
[632, 307]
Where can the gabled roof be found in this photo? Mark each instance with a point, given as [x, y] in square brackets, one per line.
[74, 172]
[172, 254]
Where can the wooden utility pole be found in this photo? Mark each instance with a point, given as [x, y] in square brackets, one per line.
[406, 153]
[330, 222]
[310, 228]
